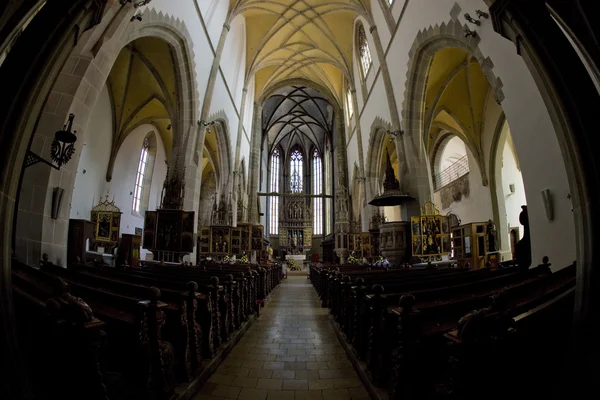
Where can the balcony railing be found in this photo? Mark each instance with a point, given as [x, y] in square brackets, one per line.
[456, 170]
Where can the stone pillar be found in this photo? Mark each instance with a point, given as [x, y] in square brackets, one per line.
[238, 144]
[366, 212]
[253, 172]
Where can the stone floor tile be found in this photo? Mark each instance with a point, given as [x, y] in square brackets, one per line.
[221, 379]
[280, 395]
[305, 374]
[261, 373]
[273, 365]
[358, 393]
[246, 382]
[284, 374]
[309, 395]
[275, 358]
[320, 384]
[295, 365]
[295, 384]
[330, 374]
[231, 392]
[336, 394]
[345, 383]
[252, 394]
[271, 384]
[253, 364]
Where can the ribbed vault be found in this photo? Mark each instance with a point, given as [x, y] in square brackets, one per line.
[143, 89]
[310, 39]
[297, 115]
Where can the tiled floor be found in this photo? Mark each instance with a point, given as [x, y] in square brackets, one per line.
[290, 353]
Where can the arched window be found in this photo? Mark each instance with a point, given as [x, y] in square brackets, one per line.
[138, 191]
[274, 200]
[363, 50]
[296, 172]
[317, 189]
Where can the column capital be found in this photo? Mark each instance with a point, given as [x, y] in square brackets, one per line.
[245, 90]
[352, 91]
[373, 28]
[226, 26]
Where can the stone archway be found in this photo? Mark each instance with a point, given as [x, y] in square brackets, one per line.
[424, 48]
[75, 91]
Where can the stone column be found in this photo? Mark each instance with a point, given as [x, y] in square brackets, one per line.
[253, 172]
[366, 212]
[238, 144]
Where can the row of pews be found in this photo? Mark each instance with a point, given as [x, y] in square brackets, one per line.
[451, 333]
[146, 333]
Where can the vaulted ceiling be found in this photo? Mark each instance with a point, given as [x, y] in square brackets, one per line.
[297, 115]
[143, 89]
[309, 39]
[455, 98]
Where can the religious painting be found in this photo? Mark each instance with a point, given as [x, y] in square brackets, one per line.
[417, 246]
[416, 226]
[150, 230]
[168, 231]
[220, 240]
[187, 234]
[236, 240]
[257, 237]
[139, 231]
[204, 240]
[245, 239]
[103, 227]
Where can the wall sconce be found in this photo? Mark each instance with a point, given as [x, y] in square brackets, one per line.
[206, 123]
[480, 14]
[548, 204]
[399, 132]
[62, 149]
[472, 20]
[136, 16]
[57, 195]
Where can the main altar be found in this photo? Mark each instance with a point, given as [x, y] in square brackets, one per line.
[295, 225]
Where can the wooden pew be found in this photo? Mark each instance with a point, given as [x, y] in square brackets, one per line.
[60, 339]
[133, 327]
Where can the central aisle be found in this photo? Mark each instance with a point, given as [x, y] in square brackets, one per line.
[290, 353]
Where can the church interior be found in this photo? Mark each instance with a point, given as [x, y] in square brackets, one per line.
[299, 199]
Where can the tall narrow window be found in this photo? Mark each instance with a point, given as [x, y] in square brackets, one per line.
[274, 200]
[317, 189]
[350, 105]
[296, 172]
[138, 190]
[363, 49]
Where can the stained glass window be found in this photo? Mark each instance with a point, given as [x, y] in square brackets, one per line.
[138, 189]
[363, 48]
[274, 200]
[317, 189]
[296, 172]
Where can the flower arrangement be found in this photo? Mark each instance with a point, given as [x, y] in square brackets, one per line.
[228, 259]
[292, 265]
[352, 259]
[243, 259]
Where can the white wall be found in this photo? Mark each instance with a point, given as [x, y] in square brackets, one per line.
[511, 174]
[533, 133]
[477, 207]
[90, 182]
[122, 185]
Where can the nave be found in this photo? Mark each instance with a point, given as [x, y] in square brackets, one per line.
[290, 352]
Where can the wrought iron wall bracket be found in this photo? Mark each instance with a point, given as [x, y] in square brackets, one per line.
[31, 159]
